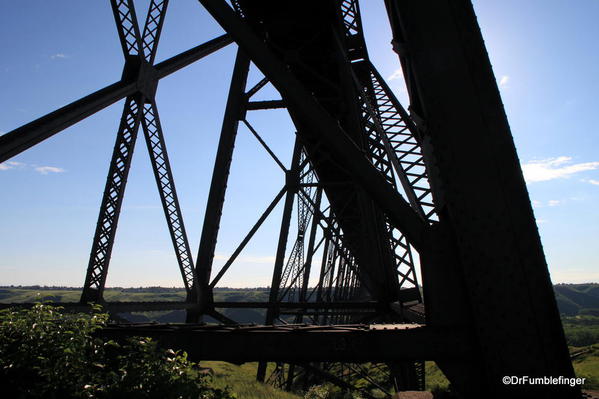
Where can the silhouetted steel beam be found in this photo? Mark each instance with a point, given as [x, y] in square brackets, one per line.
[270, 104]
[127, 28]
[235, 110]
[299, 343]
[170, 305]
[152, 29]
[301, 305]
[26, 136]
[322, 127]
[264, 145]
[192, 55]
[341, 313]
[292, 180]
[247, 238]
[310, 250]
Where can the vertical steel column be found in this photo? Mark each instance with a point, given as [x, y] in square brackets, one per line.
[486, 235]
[235, 111]
[112, 199]
[321, 279]
[306, 276]
[310, 251]
[292, 182]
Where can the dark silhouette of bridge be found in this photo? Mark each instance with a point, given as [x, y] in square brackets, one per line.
[369, 183]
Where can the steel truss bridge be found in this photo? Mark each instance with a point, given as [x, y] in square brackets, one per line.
[369, 185]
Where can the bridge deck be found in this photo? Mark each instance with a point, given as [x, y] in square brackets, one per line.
[303, 343]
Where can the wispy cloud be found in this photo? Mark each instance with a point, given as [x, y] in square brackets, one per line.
[503, 82]
[591, 181]
[58, 56]
[397, 74]
[554, 168]
[10, 165]
[542, 204]
[44, 170]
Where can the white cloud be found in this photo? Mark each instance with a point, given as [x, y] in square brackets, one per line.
[536, 203]
[10, 165]
[397, 74]
[541, 221]
[592, 181]
[44, 170]
[503, 82]
[554, 168]
[554, 202]
[58, 56]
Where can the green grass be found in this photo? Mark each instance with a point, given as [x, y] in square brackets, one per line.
[435, 379]
[17, 295]
[587, 365]
[242, 381]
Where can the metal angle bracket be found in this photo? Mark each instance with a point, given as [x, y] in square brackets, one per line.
[145, 76]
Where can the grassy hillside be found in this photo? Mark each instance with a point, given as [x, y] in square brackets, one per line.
[577, 299]
[149, 294]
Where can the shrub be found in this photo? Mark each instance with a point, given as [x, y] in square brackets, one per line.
[317, 392]
[45, 353]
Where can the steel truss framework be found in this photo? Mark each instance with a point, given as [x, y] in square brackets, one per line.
[367, 186]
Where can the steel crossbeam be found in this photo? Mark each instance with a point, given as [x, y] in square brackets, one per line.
[32, 133]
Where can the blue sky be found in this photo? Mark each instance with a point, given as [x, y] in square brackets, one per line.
[544, 55]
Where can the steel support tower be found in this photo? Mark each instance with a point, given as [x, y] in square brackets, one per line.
[369, 185]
